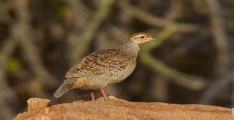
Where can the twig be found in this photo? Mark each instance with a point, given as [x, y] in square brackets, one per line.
[160, 84]
[199, 7]
[174, 11]
[4, 15]
[76, 9]
[220, 37]
[91, 28]
[22, 33]
[188, 81]
[6, 93]
[159, 88]
[156, 21]
[215, 89]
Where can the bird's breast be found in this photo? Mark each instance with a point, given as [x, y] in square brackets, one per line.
[118, 74]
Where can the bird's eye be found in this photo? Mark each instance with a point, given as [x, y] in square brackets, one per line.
[142, 37]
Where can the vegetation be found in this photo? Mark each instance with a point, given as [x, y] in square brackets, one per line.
[191, 61]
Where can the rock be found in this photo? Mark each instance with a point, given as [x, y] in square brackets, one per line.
[37, 103]
[117, 109]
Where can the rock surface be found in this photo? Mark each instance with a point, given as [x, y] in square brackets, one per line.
[37, 103]
[117, 109]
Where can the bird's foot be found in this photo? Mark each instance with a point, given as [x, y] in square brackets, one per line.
[92, 95]
[104, 94]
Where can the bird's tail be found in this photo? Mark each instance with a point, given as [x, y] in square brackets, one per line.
[65, 87]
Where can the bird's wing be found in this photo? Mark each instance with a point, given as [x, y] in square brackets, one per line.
[95, 63]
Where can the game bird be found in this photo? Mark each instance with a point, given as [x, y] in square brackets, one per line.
[101, 68]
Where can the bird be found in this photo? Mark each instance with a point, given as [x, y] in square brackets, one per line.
[101, 68]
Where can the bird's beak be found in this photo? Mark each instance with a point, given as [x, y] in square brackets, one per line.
[152, 39]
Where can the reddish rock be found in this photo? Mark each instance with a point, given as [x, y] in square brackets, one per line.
[37, 103]
[117, 109]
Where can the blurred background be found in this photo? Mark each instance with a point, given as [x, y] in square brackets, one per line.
[190, 63]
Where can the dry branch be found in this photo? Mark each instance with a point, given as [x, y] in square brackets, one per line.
[21, 32]
[91, 28]
[156, 21]
[174, 10]
[216, 89]
[76, 9]
[6, 92]
[188, 81]
[220, 37]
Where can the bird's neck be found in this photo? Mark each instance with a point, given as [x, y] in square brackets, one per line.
[130, 47]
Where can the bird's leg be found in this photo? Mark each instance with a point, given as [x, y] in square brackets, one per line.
[92, 95]
[104, 94]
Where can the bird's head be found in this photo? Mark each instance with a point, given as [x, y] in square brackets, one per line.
[141, 38]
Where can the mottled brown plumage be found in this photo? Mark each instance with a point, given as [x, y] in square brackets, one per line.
[104, 67]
